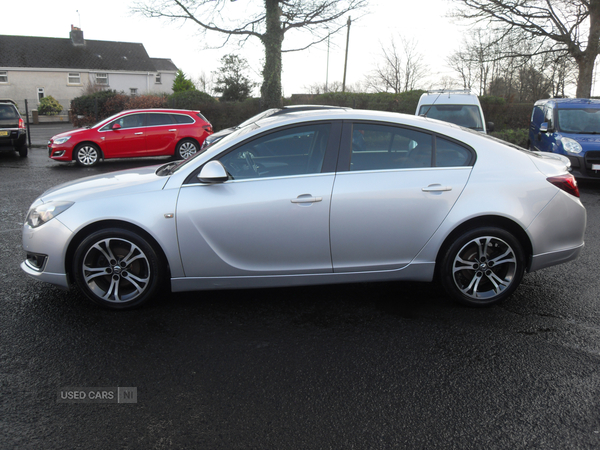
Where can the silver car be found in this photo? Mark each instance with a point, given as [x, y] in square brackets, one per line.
[317, 197]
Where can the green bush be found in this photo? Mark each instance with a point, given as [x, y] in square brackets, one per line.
[49, 106]
[517, 136]
[189, 100]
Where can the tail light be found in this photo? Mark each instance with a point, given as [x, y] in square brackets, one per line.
[21, 124]
[565, 182]
[208, 128]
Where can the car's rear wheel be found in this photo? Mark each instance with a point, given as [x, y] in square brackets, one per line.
[87, 155]
[22, 149]
[186, 149]
[483, 266]
[117, 268]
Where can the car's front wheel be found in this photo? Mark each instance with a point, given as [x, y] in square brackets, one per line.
[186, 149]
[117, 268]
[87, 155]
[483, 266]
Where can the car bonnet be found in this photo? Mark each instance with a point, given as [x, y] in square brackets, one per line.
[111, 184]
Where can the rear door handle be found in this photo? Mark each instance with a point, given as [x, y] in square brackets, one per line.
[436, 188]
[173, 129]
[139, 133]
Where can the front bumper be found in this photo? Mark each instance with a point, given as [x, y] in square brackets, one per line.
[59, 152]
[586, 166]
[49, 244]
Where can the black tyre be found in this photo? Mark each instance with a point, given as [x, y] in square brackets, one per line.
[117, 269]
[482, 267]
[22, 149]
[87, 155]
[186, 149]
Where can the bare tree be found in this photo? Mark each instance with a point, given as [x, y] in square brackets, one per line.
[402, 68]
[204, 83]
[268, 23]
[567, 26]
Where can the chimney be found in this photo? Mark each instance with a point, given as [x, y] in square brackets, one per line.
[76, 36]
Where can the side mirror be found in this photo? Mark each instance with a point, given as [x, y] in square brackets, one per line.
[115, 126]
[544, 127]
[490, 126]
[213, 172]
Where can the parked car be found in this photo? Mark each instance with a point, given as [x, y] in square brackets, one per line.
[13, 134]
[570, 127]
[133, 133]
[460, 107]
[292, 201]
[268, 113]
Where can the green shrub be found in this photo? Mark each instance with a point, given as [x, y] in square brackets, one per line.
[517, 136]
[189, 100]
[49, 106]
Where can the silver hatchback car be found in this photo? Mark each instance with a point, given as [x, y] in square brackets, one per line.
[314, 197]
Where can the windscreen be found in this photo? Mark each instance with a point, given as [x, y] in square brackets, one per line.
[579, 121]
[464, 115]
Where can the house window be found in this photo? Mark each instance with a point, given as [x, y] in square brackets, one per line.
[102, 78]
[74, 78]
[133, 92]
[158, 80]
[3, 77]
[40, 94]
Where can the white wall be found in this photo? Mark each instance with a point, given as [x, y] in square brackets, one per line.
[24, 83]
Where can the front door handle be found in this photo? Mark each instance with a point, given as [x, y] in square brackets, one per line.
[173, 129]
[436, 188]
[306, 199]
[139, 133]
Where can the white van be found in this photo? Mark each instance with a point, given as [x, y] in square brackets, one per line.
[455, 106]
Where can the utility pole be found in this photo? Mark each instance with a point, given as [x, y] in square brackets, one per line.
[346, 59]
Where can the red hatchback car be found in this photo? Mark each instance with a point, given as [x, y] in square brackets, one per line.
[133, 133]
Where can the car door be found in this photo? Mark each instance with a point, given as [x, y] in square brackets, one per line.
[547, 140]
[394, 188]
[125, 140]
[272, 216]
[161, 134]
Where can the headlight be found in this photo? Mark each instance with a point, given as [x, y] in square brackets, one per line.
[571, 145]
[43, 213]
[62, 140]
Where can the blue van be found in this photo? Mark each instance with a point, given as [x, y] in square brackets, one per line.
[570, 127]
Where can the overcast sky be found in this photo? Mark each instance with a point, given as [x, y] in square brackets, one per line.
[111, 20]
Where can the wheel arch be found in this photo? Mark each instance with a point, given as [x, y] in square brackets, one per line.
[95, 144]
[487, 221]
[97, 226]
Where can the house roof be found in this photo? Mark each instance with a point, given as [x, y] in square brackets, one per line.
[57, 53]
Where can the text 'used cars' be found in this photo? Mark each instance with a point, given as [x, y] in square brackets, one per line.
[315, 197]
[133, 133]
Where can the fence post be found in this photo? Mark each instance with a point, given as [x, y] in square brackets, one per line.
[28, 130]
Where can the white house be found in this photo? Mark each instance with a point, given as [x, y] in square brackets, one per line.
[34, 67]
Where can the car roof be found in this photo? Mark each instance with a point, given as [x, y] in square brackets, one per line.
[445, 97]
[359, 115]
[162, 110]
[8, 100]
[566, 103]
